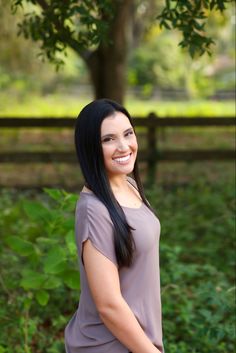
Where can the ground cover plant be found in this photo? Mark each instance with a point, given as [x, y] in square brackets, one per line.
[40, 280]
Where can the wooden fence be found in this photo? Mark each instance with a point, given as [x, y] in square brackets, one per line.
[152, 154]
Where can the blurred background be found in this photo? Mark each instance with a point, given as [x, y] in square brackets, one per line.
[172, 65]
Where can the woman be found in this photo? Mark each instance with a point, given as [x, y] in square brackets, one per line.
[117, 236]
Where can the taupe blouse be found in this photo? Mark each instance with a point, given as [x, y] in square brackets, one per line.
[140, 283]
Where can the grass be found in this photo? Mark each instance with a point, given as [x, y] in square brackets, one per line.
[55, 105]
[194, 108]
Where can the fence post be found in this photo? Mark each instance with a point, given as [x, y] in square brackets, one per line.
[152, 149]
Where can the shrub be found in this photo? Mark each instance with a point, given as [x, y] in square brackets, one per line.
[39, 258]
[40, 278]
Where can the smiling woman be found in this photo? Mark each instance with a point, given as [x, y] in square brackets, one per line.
[117, 235]
[119, 146]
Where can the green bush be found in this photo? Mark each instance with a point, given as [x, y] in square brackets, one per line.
[39, 258]
[197, 306]
[40, 279]
[197, 265]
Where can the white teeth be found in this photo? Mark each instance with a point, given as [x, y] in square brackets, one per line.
[123, 159]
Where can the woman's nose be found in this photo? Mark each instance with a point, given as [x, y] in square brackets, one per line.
[122, 145]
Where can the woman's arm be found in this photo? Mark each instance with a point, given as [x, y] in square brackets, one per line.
[103, 279]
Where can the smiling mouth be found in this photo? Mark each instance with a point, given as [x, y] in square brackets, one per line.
[122, 159]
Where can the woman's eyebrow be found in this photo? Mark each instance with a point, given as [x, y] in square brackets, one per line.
[128, 130]
[112, 135]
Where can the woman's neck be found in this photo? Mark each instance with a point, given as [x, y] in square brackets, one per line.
[118, 183]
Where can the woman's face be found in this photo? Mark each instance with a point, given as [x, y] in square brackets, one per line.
[119, 144]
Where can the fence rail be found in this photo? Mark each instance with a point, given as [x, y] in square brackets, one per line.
[70, 158]
[151, 121]
[152, 155]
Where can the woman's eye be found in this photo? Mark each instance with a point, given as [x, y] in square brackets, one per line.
[129, 133]
[107, 139]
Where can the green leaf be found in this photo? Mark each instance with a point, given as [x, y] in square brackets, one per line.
[70, 242]
[56, 268]
[42, 297]
[54, 259]
[165, 24]
[68, 224]
[55, 194]
[72, 279]
[33, 280]
[52, 283]
[46, 241]
[22, 247]
[36, 211]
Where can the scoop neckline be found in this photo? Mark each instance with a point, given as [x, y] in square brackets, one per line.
[126, 207]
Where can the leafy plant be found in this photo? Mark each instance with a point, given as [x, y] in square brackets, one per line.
[49, 256]
[197, 306]
[39, 240]
[190, 18]
[40, 281]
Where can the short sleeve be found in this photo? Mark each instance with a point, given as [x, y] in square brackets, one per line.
[93, 222]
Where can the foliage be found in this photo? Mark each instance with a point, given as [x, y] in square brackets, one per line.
[81, 25]
[190, 17]
[150, 64]
[42, 240]
[47, 255]
[202, 213]
[197, 265]
[40, 288]
[197, 305]
[58, 25]
[21, 71]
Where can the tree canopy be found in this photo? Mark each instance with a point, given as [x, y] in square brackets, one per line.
[60, 24]
[97, 31]
[82, 24]
[190, 18]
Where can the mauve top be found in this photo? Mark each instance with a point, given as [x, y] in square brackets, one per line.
[140, 283]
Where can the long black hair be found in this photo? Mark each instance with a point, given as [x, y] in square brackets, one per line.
[90, 157]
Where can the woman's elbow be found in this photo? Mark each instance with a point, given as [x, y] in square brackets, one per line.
[109, 309]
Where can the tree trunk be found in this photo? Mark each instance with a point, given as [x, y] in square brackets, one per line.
[107, 64]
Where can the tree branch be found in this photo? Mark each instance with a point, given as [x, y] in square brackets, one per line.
[69, 40]
[43, 4]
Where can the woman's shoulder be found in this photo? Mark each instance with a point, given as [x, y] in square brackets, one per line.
[89, 205]
[91, 212]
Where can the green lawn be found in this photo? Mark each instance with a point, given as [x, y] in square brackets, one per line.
[67, 105]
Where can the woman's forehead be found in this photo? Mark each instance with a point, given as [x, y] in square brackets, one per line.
[116, 122]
